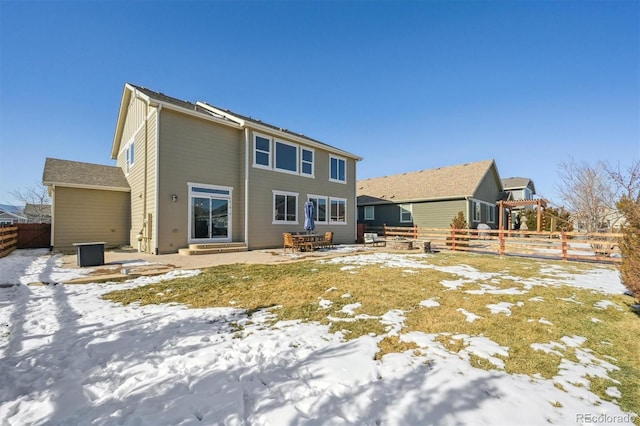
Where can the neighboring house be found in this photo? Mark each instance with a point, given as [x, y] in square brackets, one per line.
[10, 215]
[198, 174]
[519, 188]
[38, 213]
[90, 203]
[432, 198]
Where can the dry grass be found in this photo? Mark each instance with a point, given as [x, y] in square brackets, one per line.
[540, 314]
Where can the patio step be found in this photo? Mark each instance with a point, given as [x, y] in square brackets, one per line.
[212, 248]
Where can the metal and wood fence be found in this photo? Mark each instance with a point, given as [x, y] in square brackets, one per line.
[595, 247]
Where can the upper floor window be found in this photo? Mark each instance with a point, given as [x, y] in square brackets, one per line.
[306, 161]
[130, 155]
[262, 152]
[285, 207]
[338, 169]
[405, 213]
[286, 157]
[369, 213]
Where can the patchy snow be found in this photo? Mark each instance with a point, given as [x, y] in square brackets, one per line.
[68, 357]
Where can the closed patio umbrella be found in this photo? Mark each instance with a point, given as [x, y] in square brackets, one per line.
[309, 224]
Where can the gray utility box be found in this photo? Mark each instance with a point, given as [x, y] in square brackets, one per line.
[90, 254]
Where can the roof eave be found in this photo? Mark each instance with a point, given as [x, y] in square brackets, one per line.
[85, 186]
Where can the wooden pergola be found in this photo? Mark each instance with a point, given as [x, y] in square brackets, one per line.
[540, 203]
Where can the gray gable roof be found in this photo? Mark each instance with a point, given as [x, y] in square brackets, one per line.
[518, 183]
[83, 175]
[449, 182]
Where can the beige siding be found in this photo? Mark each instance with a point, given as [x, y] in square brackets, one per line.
[263, 233]
[197, 151]
[438, 214]
[142, 189]
[89, 215]
[136, 113]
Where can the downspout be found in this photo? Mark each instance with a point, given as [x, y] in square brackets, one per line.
[246, 186]
[143, 234]
[156, 220]
[146, 178]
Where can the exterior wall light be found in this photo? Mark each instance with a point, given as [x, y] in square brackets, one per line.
[174, 198]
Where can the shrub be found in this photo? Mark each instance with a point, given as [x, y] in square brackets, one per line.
[457, 223]
[630, 245]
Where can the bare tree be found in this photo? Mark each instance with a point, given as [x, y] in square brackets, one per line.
[36, 202]
[626, 182]
[588, 193]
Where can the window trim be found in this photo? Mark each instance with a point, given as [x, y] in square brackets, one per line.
[130, 155]
[338, 159]
[276, 192]
[371, 209]
[337, 222]
[327, 211]
[410, 210]
[255, 151]
[275, 157]
[302, 161]
[476, 211]
[490, 212]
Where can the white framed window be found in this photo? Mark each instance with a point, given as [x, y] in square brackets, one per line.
[286, 157]
[490, 213]
[130, 155]
[476, 211]
[306, 161]
[319, 208]
[337, 169]
[338, 211]
[261, 151]
[405, 213]
[369, 213]
[285, 208]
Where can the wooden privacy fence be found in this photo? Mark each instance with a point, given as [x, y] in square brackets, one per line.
[600, 247]
[24, 235]
[34, 235]
[8, 239]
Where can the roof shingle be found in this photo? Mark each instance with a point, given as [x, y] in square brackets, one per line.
[443, 182]
[74, 173]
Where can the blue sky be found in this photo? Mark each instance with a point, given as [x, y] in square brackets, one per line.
[407, 85]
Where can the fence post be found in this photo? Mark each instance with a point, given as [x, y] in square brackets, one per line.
[501, 238]
[453, 239]
[564, 246]
[415, 231]
[384, 229]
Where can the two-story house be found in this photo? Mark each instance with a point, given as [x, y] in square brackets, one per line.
[196, 174]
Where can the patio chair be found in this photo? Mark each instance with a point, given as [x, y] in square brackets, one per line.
[328, 238]
[288, 242]
[373, 239]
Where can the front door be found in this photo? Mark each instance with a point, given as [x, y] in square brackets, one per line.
[209, 213]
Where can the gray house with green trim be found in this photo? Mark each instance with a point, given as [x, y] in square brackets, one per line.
[432, 198]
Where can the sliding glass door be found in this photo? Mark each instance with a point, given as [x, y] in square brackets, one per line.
[209, 213]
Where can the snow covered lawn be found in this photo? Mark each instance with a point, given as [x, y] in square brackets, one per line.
[68, 356]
